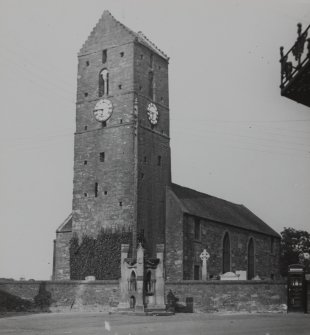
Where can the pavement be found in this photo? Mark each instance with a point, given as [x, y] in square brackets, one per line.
[179, 324]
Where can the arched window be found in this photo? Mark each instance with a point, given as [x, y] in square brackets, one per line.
[148, 282]
[103, 82]
[226, 253]
[104, 56]
[251, 259]
[151, 84]
[133, 282]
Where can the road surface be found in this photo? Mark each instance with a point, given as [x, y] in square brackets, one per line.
[179, 324]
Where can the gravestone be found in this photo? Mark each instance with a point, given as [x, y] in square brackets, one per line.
[229, 276]
[242, 275]
[204, 256]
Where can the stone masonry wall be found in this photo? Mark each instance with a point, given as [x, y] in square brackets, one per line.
[210, 296]
[174, 238]
[110, 203]
[153, 142]
[211, 237]
[59, 295]
[152, 181]
[62, 256]
[232, 296]
[113, 206]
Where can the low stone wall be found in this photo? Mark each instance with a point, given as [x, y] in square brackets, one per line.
[231, 296]
[210, 296]
[59, 295]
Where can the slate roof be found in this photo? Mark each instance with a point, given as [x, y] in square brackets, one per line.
[219, 210]
[66, 226]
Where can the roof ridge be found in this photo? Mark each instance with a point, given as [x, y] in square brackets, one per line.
[209, 195]
[91, 33]
[64, 223]
[220, 210]
[140, 33]
[257, 217]
[121, 24]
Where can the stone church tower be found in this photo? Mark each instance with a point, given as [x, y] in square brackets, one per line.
[121, 144]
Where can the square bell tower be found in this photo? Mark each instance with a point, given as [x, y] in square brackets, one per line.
[121, 143]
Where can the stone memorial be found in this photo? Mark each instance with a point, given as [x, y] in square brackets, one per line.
[242, 275]
[204, 256]
[229, 276]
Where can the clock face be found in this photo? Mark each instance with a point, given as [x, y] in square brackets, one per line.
[103, 110]
[152, 113]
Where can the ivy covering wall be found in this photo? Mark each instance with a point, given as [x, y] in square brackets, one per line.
[99, 257]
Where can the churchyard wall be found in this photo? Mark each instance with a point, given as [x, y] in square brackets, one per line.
[210, 296]
[58, 296]
[231, 296]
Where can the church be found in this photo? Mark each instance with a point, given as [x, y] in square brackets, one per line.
[123, 192]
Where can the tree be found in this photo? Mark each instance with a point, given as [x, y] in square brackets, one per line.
[295, 245]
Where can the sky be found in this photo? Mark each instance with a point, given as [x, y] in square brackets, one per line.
[232, 134]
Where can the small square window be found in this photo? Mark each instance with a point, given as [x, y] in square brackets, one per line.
[120, 86]
[159, 160]
[104, 124]
[85, 194]
[104, 56]
[120, 203]
[141, 56]
[85, 94]
[85, 127]
[105, 192]
[87, 63]
[85, 162]
[121, 121]
[122, 54]
[102, 156]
